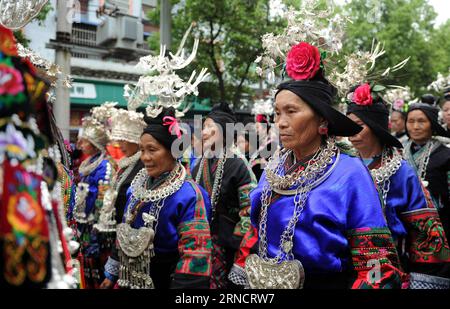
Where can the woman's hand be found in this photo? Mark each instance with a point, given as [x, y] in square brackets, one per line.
[107, 284]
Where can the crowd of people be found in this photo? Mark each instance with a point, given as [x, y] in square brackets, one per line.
[324, 198]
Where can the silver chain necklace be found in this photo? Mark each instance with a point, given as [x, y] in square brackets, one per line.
[218, 175]
[86, 168]
[171, 185]
[422, 161]
[107, 219]
[129, 166]
[278, 273]
[127, 161]
[306, 179]
[389, 166]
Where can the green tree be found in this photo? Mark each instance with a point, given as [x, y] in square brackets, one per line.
[406, 27]
[230, 40]
[440, 44]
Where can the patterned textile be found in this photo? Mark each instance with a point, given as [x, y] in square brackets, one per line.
[24, 235]
[112, 267]
[423, 281]
[244, 213]
[219, 270]
[237, 274]
[248, 242]
[95, 247]
[195, 248]
[195, 244]
[375, 259]
[427, 240]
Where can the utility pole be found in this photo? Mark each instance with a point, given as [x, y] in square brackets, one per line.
[63, 35]
[165, 24]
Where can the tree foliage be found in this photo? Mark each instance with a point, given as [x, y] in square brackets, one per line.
[230, 38]
[406, 28]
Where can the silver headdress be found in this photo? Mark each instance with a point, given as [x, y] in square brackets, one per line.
[48, 69]
[126, 126]
[95, 126]
[15, 14]
[263, 107]
[398, 98]
[309, 24]
[162, 82]
[441, 82]
[359, 68]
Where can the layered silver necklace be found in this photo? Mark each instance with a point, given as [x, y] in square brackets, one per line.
[86, 168]
[389, 166]
[217, 179]
[82, 190]
[284, 271]
[107, 219]
[136, 245]
[421, 162]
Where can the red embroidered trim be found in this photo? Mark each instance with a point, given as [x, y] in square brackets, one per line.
[195, 248]
[375, 259]
[427, 240]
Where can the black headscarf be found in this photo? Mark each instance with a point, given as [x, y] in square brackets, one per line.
[319, 95]
[159, 129]
[432, 113]
[376, 117]
[222, 114]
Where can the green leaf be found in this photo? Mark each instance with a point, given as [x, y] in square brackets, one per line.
[378, 88]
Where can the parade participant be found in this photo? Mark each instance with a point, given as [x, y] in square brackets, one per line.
[263, 110]
[445, 106]
[398, 98]
[32, 234]
[404, 202]
[164, 240]
[398, 126]
[243, 144]
[126, 128]
[228, 180]
[428, 156]
[316, 213]
[96, 173]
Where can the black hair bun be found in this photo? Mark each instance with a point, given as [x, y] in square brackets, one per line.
[222, 107]
[166, 111]
[428, 99]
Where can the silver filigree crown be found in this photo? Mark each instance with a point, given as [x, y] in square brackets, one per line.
[162, 83]
[126, 126]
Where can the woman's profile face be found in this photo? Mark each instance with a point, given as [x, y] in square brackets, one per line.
[87, 147]
[211, 134]
[128, 148]
[156, 158]
[297, 123]
[446, 113]
[365, 139]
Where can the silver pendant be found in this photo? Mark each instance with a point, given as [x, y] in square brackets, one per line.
[287, 246]
[133, 242]
[263, 274]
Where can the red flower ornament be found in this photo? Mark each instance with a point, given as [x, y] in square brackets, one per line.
[362, 95]
[303, 61]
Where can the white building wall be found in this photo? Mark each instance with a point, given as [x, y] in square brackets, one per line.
[40, 35]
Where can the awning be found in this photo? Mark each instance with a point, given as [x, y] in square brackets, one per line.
[93, 93]
[90, 93]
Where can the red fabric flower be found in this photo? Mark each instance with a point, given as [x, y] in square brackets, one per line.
[362, 95]
[11, 81]
[303, 61]
[7, 42]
